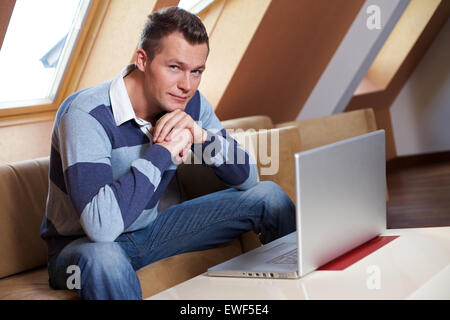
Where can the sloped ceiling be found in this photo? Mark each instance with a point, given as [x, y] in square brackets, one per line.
[6, 8]
[283, 59]
[381, 100]
[116, 41]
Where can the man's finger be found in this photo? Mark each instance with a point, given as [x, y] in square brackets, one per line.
[183, 123]
[161, 122]
[167, 125]
[185, 152]
[170, 130]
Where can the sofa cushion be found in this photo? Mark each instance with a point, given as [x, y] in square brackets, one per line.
[273, 151]
[23, 193]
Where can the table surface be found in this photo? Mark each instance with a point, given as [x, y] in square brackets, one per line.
[416, 265]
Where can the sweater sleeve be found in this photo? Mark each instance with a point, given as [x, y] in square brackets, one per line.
[105, 207]
[231, 163]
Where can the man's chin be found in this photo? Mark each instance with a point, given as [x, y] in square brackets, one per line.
[176, 107]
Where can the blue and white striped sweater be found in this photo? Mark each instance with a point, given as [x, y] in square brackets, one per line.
[106, 179]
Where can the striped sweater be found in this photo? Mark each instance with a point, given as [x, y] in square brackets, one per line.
[106, 179]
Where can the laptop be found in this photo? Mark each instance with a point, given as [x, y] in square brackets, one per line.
[341, 204]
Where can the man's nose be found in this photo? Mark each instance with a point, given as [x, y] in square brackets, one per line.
[185, 82]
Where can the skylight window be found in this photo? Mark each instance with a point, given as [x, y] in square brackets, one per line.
[36, 49]
[194, 6]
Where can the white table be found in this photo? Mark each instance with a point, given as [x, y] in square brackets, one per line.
[416, 265]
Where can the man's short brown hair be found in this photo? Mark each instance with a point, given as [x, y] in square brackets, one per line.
[163, 22]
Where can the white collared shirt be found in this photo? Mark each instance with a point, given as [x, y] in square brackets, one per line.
[121, 104]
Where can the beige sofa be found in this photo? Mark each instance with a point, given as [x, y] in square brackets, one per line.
[23, 193]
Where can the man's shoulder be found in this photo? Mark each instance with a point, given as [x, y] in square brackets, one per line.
[86, 100]
[199, 106]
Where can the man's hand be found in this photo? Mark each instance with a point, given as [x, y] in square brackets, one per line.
[166, 127]
[179, 145]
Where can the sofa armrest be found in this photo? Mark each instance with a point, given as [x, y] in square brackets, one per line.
[23, 192]
[320, 131]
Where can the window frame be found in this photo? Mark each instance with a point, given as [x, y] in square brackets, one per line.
[199, 6]
[45, 109]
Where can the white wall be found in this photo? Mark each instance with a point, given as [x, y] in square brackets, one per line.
[351, 60]
[421, 112]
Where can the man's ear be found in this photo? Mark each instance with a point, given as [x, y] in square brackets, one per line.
[141, 59]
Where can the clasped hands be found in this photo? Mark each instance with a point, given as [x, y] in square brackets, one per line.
[177, 131]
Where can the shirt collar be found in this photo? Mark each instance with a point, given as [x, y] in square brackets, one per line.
[120, 101]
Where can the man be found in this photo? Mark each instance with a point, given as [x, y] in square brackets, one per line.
[115, 148]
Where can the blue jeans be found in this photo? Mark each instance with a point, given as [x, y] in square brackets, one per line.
[108, 269]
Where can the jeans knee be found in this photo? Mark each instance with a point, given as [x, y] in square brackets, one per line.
[277, 209]
[102, 256]
[96, 270]
[273, 195]
[97, 261]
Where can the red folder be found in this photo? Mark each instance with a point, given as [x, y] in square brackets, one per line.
[353, 256]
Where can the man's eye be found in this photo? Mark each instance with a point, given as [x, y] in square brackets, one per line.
[197, 72]
[173, 67]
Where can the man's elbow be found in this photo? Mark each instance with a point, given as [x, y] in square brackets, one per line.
[251, 180]
[247, 185]
[101, 237]
[98, 233]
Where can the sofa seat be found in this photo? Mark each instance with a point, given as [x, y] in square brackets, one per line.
[32, 285]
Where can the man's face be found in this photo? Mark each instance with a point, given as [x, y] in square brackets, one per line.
[174, 74]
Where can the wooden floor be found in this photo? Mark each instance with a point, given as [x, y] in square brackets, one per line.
[419, 192]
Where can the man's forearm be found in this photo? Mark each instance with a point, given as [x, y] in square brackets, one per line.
[231, 162]
[108, 207]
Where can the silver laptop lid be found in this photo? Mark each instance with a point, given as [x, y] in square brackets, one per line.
[341, 198]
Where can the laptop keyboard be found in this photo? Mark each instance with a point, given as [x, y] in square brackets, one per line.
[287, 258]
